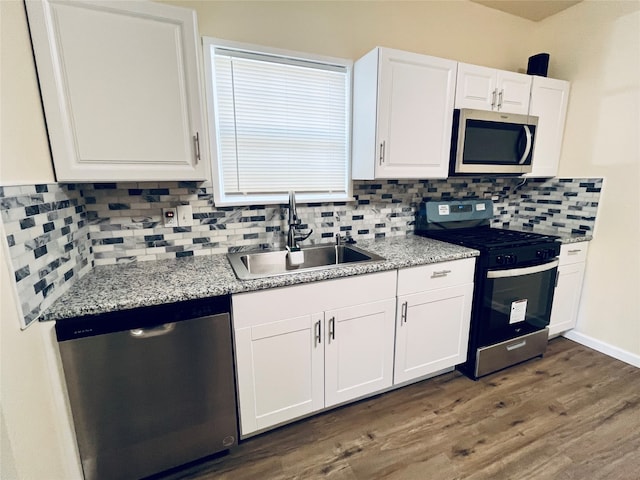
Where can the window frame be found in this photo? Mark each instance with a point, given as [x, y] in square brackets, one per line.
[221, 198]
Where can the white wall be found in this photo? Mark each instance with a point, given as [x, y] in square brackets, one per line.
[34, 418]
[459, 30]
[596, 45]
[24, 150]
[36, 434]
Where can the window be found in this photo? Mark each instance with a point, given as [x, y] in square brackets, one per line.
[278, 122]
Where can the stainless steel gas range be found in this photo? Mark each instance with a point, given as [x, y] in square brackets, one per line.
[515, 280]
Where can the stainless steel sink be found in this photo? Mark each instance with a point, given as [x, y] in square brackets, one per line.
[269, 263]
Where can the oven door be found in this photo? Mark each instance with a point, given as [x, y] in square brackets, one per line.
[516, 301]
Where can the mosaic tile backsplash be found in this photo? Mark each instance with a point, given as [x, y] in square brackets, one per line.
[48, 243]
[81, 225]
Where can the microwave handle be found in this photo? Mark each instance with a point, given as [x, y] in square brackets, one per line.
[527, 149]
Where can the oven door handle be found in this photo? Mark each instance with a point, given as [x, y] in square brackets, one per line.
[516, 272]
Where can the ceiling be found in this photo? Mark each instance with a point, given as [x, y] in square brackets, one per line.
[535, 10]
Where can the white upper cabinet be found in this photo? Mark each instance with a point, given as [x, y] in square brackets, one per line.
[402, 115]
[484, 88]
[549, 100]
[121, 89]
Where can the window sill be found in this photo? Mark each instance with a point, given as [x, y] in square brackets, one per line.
[280, 199]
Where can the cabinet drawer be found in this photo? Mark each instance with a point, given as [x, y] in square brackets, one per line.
[435, 275]
[504, 354]
[573, 253]
[266, 306]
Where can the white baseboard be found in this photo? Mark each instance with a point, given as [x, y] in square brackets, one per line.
[602, 347]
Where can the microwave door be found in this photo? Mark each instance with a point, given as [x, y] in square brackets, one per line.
[492, 143]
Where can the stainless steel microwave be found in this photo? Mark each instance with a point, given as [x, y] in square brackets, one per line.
[493, 143]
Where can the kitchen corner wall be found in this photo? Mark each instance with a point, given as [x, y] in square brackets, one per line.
[57, 233]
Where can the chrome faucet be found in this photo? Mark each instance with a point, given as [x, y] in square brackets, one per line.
[294, 224]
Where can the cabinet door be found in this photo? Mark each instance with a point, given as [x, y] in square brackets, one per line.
[280, 371]
[566, 298]
[485, 88]
[476, 87]
[358, 350]
[432, 331]
[120, 85]
[514, 91]
[549, 100]
[415, 114]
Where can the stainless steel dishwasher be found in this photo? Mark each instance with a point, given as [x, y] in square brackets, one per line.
[150, 388]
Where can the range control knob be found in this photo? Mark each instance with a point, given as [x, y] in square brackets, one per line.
[542, 254]
[510, 259]
[499, 259]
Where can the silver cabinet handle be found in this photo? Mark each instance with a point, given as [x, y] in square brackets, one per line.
[440, 274]
[500, 99]
[332, 328]
[403, 313]
[573, 252]
[382, 151]
[318, 327]
[196, 144]
[516, 345]
[493, 99]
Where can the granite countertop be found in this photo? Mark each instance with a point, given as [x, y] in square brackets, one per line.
[564, 236]
[109, 288]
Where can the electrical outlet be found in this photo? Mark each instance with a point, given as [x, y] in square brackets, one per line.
[185, 215]
[170, 217]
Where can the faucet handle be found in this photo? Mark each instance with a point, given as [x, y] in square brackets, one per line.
[348, 239]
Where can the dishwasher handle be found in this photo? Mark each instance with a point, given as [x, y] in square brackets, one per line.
[152, 331]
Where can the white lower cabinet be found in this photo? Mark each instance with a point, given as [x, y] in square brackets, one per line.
[304, 348]
[566, 298]
[434, 311]
[358, 350]
[300, 349]
[280, 372]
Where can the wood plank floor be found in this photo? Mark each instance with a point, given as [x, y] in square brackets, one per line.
[575, 414]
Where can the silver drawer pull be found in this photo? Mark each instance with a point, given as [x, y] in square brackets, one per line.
[515, 346]
[573, 252]
[441, 273]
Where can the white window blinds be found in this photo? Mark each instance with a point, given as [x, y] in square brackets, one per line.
[281, 124]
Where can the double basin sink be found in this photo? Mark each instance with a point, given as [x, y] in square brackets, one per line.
[269, 263]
